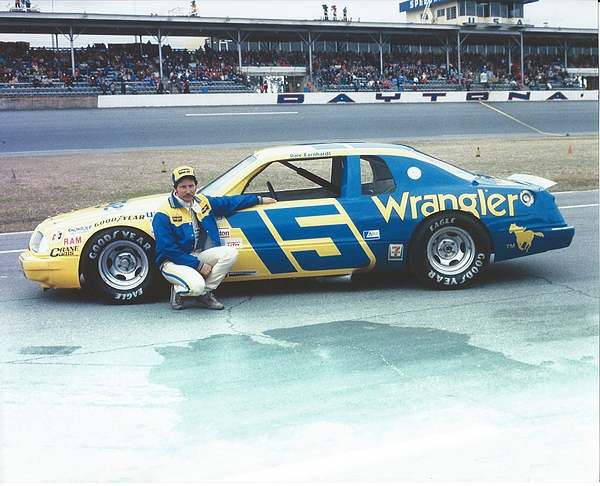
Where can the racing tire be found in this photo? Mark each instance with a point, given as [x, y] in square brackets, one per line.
[118, 265]
[449, 251]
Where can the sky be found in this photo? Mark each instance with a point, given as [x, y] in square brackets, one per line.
[553, 13]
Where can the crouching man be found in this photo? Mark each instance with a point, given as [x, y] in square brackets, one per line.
[188, 248]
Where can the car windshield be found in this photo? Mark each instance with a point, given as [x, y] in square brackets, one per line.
[213, 187]
[452, 169]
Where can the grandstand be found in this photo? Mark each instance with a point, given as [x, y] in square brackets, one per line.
[239, 54]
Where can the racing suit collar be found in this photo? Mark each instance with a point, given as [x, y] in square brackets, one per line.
[195, 206]
[177, 202]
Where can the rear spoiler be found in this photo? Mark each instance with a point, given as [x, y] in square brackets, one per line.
[534, 180]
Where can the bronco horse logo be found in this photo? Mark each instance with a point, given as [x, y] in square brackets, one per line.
[524, 236]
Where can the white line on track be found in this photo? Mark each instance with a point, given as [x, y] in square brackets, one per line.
[245, 113]
[580, 206]
[3, 252]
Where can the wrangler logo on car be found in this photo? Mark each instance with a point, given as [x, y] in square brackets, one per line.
[479, 204]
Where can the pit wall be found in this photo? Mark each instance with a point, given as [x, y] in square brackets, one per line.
[8, 103]
[240, 99]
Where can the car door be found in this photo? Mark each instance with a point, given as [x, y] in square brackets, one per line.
[369, 178]
[309, 232]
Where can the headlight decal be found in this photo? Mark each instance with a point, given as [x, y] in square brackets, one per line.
[40, 243]
[527, 197]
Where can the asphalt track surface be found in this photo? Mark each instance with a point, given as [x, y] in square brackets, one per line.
[75, 131]
[298, 381]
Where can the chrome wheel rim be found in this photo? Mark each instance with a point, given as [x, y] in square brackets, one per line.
[450, 251]
[123, 265]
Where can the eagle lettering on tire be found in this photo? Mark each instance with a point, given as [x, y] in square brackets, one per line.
[449, 250]
[118, 264]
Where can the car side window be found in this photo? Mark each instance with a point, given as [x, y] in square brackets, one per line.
[376, 177]
[300, 179]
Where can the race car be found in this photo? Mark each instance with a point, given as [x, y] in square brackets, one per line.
[343, 208]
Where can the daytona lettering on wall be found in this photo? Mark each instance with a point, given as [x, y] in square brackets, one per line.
[434, 97]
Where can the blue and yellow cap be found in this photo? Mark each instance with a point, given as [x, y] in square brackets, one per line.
[181, 172]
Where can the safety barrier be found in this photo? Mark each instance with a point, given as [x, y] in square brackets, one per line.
[238, 99]
[57, 101]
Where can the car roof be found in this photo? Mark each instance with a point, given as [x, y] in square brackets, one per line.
[332, 149]
[337, 149]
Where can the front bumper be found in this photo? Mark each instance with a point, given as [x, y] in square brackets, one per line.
[49, 272]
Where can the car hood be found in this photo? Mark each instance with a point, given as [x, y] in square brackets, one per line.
[116, 212]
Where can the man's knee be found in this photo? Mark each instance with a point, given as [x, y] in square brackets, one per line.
[191, 287]
[231, 254]
[196, 288]
[188, 282]
[225, 255]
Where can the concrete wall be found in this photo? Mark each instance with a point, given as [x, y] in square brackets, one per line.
[47, 102]
[248, 99]
[238, 99]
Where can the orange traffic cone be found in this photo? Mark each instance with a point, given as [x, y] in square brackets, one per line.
[570, 149]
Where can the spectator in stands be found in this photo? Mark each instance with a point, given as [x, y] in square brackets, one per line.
[349, 70]
[69, 82]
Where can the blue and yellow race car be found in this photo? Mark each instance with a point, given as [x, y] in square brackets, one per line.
[343, 208]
